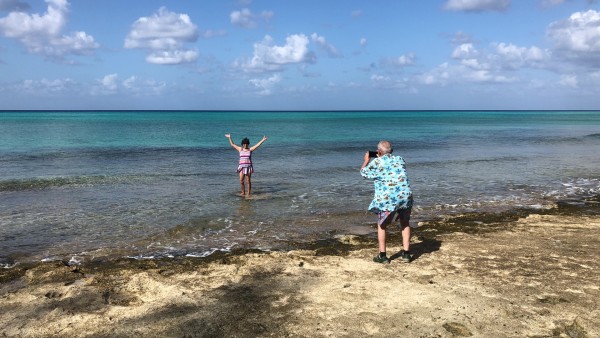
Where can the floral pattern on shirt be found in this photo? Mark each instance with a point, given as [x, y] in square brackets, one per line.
[392, 188]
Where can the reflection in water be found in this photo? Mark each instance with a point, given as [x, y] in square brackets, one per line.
[245, 208]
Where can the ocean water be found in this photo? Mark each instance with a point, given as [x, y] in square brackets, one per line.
[83, 185]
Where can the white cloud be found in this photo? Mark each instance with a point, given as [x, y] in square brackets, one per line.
[485, 66]
[527, 54]
[270, 57]
[465, 51]
[246, 19]
[162, 30]
[164, 35]
[210, 33]
[243, 18]
[172, 57]
[266, 85]
[45, 86]
[446, 74]
[503, 57]
[578, 37]
[107, 85]
[150, 87]
[129, 83]
[437, 76]
[404, 60]
[499, 63]
[378, 78]
[475, 64]
[595, 76]
[569, 81]
[329, 48]
[41, 34]
[483, 76]
[362, 46]
[461, 38]
[477, 5]
[399, 61]
[387, 82]
[295, 50]
[109, 82]
[428, 78]
[513, 56]
[77, 43]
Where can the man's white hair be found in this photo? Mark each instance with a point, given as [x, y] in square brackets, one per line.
[385, 147]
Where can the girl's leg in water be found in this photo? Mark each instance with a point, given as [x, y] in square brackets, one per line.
[243, 189]
[249, 183]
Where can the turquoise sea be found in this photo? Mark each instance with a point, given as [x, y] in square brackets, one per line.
[82, 185]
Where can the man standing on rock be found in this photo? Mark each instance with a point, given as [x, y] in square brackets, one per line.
[393, 198]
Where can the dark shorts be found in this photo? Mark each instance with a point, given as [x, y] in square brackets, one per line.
[387, 217]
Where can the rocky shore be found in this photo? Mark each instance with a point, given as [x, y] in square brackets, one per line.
[506, 275]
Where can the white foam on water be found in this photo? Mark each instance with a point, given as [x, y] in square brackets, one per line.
[204, 254]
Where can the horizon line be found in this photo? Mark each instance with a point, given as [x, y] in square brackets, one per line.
[296, 111]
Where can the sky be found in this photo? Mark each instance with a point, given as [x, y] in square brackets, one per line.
[299, 55]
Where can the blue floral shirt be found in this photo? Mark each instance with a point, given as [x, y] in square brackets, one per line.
[392, 189]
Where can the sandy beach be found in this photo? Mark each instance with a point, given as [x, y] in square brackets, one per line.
[529, 275]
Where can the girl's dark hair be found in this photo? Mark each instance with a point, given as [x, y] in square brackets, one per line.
[245, 141]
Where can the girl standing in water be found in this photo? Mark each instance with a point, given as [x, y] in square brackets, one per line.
[245, 167]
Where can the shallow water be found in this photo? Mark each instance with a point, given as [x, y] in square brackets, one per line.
[146, 184]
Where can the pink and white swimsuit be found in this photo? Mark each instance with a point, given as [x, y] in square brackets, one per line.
[245, 166]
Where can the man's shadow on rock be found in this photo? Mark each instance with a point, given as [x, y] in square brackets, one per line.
[426, 246]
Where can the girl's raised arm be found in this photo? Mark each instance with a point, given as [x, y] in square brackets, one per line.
[235, 146]
[258, 144]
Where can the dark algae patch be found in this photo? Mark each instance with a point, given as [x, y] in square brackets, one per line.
[471, 223]
[483, 222]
